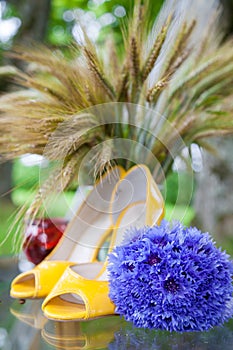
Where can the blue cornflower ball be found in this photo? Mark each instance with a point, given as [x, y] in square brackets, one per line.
[171, 278]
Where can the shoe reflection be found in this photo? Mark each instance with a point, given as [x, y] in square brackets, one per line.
[29, 313]
[92, 334]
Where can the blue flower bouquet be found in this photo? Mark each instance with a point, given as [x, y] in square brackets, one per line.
[173, 278]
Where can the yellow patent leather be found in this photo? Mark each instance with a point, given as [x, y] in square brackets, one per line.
[45, 276]
[82, 292]
[92, 292]
[80, 243]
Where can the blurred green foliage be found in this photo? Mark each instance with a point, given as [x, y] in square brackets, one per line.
[6, 12]
[179, 188]
[9, 242]
[25, 176]
[107, 16]
[65, 13]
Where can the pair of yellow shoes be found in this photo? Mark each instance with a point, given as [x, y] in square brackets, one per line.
[71, 279]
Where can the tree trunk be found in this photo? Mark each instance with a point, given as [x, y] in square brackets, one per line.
[5, 181]
[214, 197]
[227, 23]
[34, 15]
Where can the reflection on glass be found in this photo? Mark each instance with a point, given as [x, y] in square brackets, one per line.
[131, 338]
[29, 313]
[93, 334]
[111, 332]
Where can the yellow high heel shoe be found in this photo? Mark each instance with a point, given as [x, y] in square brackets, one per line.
[82, 291]
[80, 242]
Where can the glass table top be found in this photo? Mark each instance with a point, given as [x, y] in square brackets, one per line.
[23, 327]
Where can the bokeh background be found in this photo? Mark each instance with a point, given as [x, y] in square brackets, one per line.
[57, 24]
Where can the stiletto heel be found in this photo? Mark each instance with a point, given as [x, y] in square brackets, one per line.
[82, 291]
[80, 242]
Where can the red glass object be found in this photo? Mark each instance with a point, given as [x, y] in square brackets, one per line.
[41, 236]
